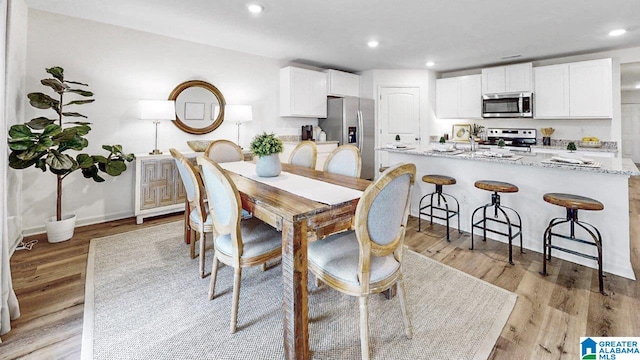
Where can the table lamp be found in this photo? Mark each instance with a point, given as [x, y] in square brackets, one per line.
[157, 110]
[239, 114]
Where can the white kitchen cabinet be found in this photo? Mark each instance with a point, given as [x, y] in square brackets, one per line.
[459, 97]
[506, 79]
[303, 93]
[324, 149]
[551, 94]
[574, 90]
[340, 84]
[591, 89]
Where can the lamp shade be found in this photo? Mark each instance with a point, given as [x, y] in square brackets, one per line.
[157, 109]
[238, 113]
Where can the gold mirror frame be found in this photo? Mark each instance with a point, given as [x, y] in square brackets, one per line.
[214, 90]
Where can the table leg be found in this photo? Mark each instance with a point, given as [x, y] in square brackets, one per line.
[294, 299]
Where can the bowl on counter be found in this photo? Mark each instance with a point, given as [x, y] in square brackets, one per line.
[198, 145]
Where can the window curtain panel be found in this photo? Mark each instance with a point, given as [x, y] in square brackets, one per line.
[9, 309]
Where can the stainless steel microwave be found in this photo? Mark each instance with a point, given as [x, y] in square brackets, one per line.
[508, 105]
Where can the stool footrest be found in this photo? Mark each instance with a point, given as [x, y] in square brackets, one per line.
[513, 235]
[573, 252]
[448, 211]
[574, 239]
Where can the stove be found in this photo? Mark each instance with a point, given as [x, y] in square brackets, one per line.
[512, 137]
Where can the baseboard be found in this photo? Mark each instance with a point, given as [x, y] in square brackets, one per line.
[81, 222]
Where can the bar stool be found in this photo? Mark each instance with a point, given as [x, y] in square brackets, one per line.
[439, 181]
[573, 203]
[513, 229]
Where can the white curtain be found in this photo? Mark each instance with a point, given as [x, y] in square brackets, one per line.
[9, 308]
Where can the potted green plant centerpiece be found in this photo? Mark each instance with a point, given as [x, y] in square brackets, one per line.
[267, 147]
[501, 143]
[44, 143]
[571, 146]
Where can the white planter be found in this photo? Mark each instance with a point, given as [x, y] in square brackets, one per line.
[58, 231]
[268, 166]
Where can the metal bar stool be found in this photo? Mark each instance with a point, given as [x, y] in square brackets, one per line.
[573, 203]
[439, 181]
[513, 229]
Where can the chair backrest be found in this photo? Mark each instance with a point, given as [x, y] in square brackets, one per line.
[344, 160]
[224, 151]
[191, 180]
[224, 202]
[304, 155]
[382, 212]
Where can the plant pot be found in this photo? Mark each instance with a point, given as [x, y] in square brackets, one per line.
[268, 166]
[58, 231]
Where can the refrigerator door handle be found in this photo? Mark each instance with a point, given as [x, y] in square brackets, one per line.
[360, 129]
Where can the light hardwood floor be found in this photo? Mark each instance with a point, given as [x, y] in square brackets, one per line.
[550, 315]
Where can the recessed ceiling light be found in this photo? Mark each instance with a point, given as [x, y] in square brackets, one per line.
[372, 44]
[255, 8]
[430, 63]
[617, 32]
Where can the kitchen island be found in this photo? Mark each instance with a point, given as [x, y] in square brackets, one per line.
[534, 176]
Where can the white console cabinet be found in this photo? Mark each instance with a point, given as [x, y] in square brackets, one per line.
[158, 188]
[303, 93]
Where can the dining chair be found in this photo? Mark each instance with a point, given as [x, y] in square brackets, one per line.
[238, 244]
[196, 209]
[222, 151]
[368, 259]
[304, 154]
[344, 160]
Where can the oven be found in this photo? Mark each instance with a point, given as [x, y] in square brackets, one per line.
[520, 138]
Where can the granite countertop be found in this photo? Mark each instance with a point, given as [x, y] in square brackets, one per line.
[614, 166]
[579, 148]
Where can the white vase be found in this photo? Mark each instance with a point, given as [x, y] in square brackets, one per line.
[268, 166]
[58, 231]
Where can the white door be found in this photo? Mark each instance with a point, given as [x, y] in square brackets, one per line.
[631, 132]
[398, 114]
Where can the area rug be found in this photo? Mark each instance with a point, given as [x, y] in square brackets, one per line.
[145, 300]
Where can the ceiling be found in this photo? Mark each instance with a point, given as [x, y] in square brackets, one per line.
[455, 35]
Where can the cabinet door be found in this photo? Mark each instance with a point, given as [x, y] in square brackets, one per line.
[518, 78]
[470, 96]
[157, 185]
[341, 83]
[303, 93]
[493, 80]
[447, 98]
[591, 90]
[551, 91]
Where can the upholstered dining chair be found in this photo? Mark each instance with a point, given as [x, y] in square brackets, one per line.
[224, 151]
[238, 244]
[304, 154]
[368, 260]
[344, 160]
[198, 214]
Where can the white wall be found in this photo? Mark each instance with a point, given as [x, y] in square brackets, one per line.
[605, 129]
[123, 66]
[631, 97]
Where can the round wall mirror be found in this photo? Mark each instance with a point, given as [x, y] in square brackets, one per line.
[199, 107]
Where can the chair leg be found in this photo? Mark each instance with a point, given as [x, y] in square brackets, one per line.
[318, 282]
[408, 329]
[364, 327]
[263, 267]
[201, 238]
[192, 243]
[214, 277]
[236, 296]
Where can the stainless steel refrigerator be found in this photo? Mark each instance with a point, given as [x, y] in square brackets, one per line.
[350, 120]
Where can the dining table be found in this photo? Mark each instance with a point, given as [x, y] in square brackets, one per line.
[301, 220]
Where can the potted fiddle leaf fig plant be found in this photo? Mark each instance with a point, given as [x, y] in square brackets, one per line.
[44, 143]
[266, 147]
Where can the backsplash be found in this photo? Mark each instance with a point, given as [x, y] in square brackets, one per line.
[289, 137]
[609, 145]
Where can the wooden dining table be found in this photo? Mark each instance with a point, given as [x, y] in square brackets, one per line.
[300, 221]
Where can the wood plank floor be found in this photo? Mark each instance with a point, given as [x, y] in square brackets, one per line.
[549, 317]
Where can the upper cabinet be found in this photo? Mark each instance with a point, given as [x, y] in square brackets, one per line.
[574, 90]
[506, 79]
[340, 84]
[459, 97]
[303, 93]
